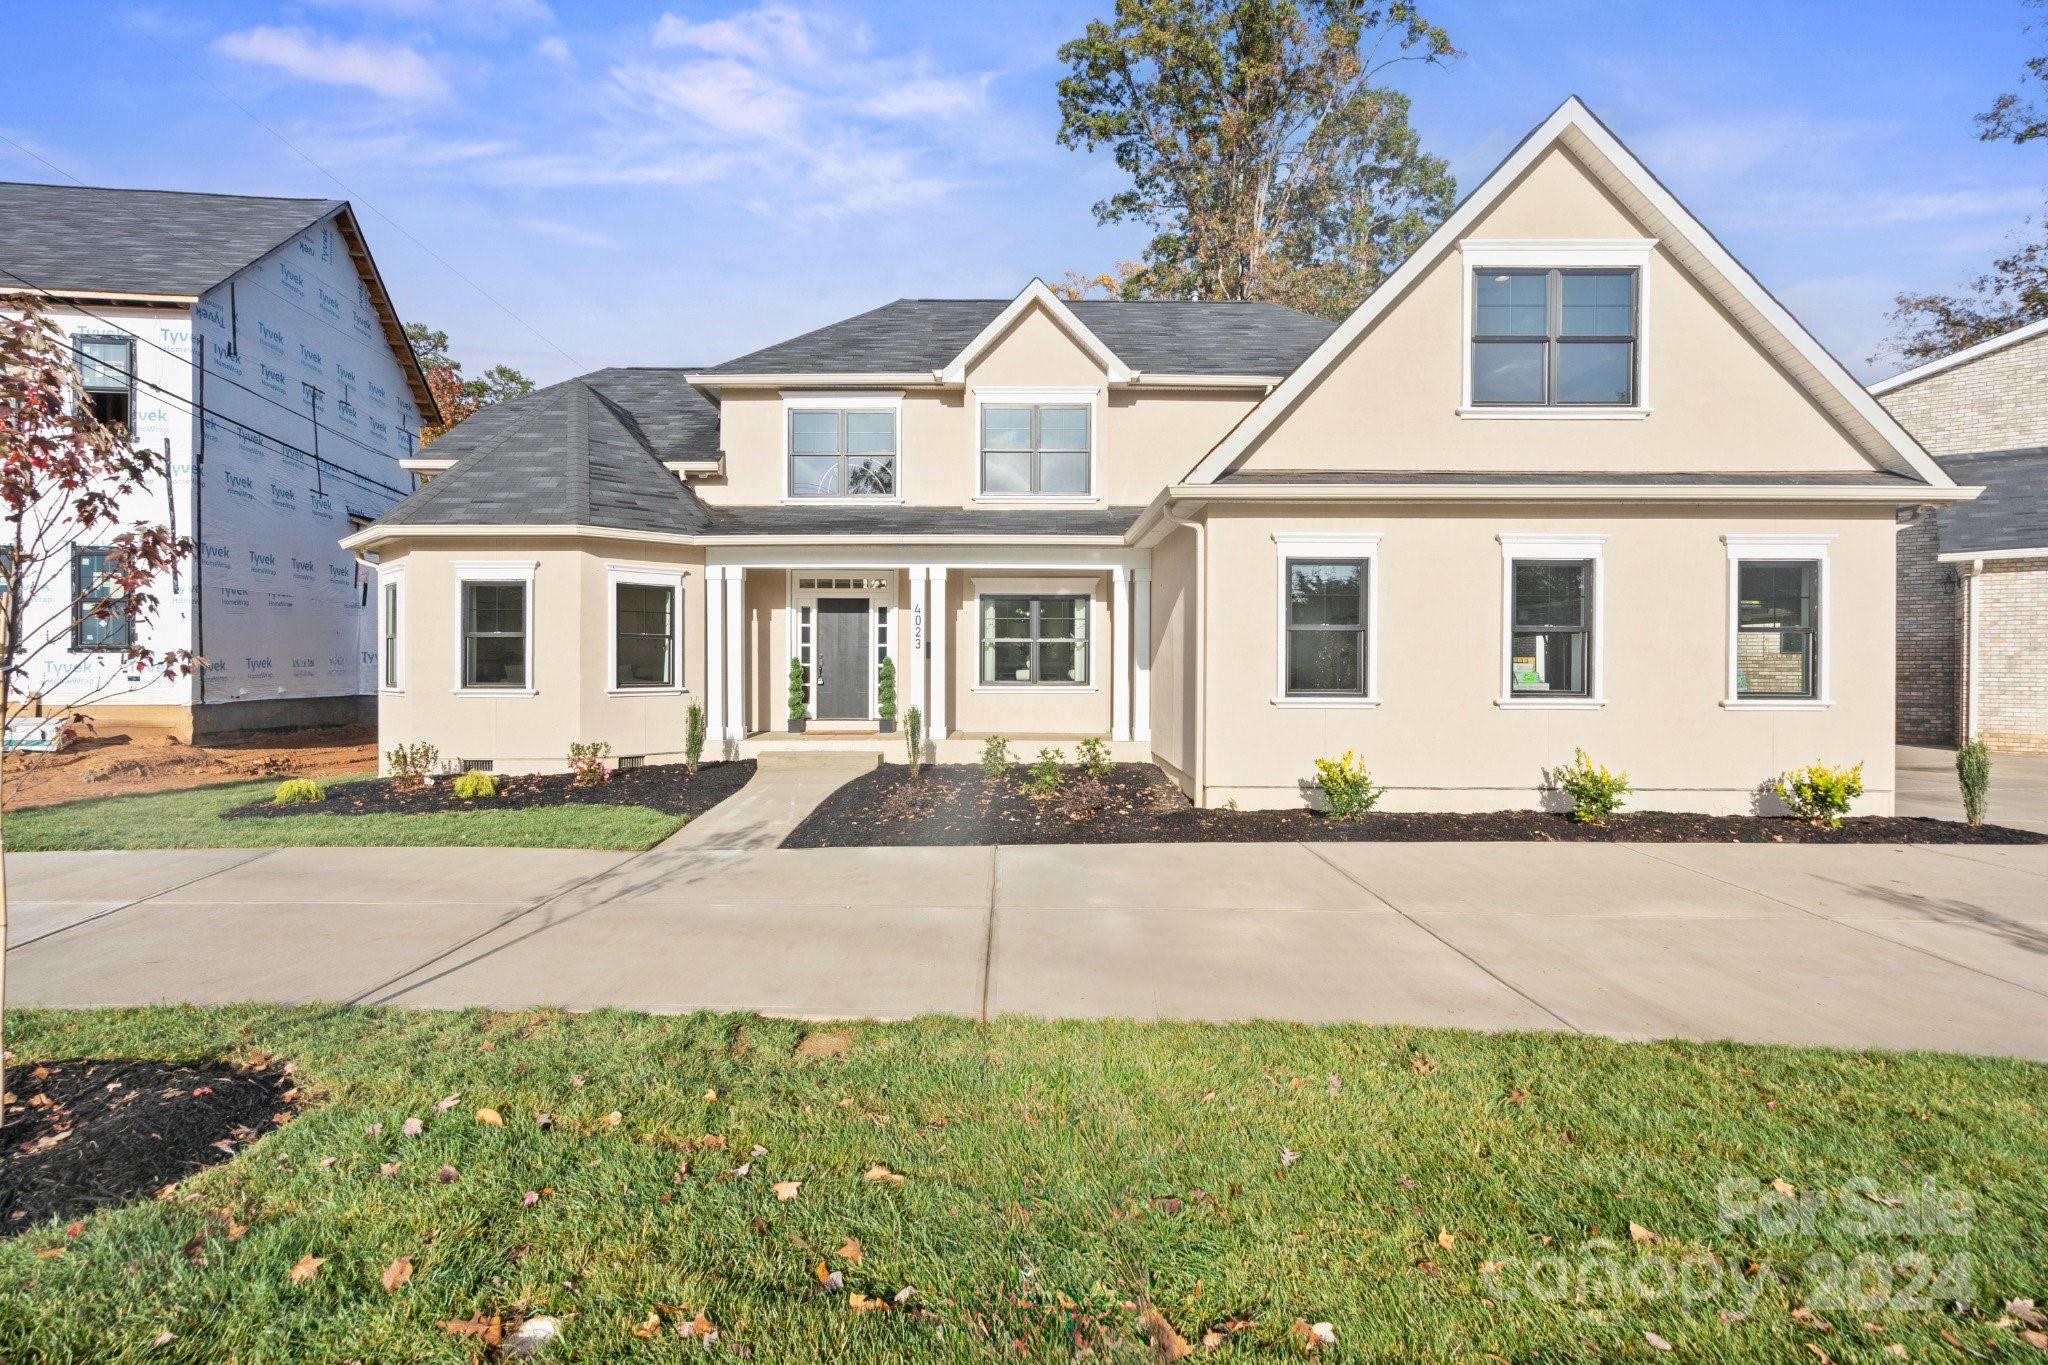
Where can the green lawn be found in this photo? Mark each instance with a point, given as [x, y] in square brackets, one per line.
[191, 819]
[1057, 1178]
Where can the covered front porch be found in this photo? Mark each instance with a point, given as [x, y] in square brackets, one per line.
[1031, 642]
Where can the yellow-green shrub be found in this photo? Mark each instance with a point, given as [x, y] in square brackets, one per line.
[470, 786]
[1820, 793]
[1595, 791]
[298, 791]
[1347, 786]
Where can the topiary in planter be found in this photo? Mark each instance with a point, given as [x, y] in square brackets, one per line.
[885, 695]
[799, 695]
[298, 791]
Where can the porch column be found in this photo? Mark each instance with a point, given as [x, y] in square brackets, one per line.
[714, 667]
[920, 624]
[735, 652]
[935, 722]
[1141, 665]
[1119, 653]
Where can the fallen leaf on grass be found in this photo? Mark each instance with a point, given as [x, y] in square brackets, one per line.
[327, 1162]
[849, 1250]
[861, 1303]
[1445, 1238]
[1656, 1341]
[649, 1327]
[1784, 1186]
[612, 1119]
[698, 1326]
[1638, 1233]
[533, 1334]
[785, 1190]
[879, 1172]
[903, 1295]
[490, 1116]
[449, 1102]
[489, 1330]
[2026, 1312]
[412, 1128]
[1223, 1331]
[162, 1339]
[828, 1278]
[1806, 1317]
[446, 1175]
[1167, 1344]
[397, 1273]
[307, 1268]
[1421, 1065]
[1818, 1354]
[388, 1169]
[1313, 1335]
[530, 1198]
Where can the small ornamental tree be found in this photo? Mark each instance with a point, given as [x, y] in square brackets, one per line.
[885, 694]
[67, 480]
[799, 693]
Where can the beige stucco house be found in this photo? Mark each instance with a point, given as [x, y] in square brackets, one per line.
[1569, 478]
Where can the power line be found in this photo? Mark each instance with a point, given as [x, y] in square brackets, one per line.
[45, 160]
[397, 226]
[67, 301]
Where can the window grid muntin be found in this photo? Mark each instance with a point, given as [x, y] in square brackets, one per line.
[666, 634]
[1036, 639]
[391, 633]
[1808, 634]
[1359, 628]
[1553, 340]
[474, 636]
[842, 453]
[1035, 450]
[92, 634]
[1581, 630]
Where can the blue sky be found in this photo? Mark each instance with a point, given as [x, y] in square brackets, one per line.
[567, 185]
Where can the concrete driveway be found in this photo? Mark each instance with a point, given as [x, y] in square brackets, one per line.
[1874, 946]
[2019, 787]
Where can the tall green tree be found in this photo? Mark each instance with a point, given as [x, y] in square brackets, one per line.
[458, 396]
[1262, 149]
[2014, 291]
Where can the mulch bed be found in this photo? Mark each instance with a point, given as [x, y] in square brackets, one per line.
[87, 1134]
[666, 787]
[955, 805]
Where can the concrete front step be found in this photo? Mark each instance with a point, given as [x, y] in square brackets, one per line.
[851, 761]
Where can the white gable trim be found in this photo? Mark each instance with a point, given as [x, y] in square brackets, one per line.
[1036, 292]
[1962, 357]
[1574, 126]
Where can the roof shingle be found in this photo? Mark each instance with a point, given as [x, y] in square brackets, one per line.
[2011, 513]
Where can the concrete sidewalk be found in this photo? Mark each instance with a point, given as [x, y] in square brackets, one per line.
[1852, 946]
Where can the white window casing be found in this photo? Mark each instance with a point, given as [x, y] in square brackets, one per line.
[1083, 588]
[521, 571]
[391, 630]
[672, 579]
[796, 400]
[1792, 548]
[1068, 398]
[1617, 253]
[1562, 546]
[1316, 545]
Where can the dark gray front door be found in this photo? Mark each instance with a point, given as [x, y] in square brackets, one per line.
[842, 655]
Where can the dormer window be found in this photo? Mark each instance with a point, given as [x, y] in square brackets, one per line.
[1554, 338]
[1036, 444]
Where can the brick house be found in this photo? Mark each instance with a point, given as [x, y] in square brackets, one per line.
[1973, 577]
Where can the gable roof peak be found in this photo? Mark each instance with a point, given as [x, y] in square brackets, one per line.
[1037, 294]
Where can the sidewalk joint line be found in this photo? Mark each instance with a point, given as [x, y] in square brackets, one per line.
[139, 900]
[988, 943]
[1489, 972]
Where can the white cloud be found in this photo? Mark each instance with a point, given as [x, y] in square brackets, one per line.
[564, 232]
[767, 32]
[930, 97]
[725, 96]
[554, 49]
[1701, 148]
[390, 69]
[466, 13]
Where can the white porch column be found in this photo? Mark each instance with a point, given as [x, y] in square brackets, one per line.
[714, 668]
[735, 652]
[1141, 665]
[1119, 653]
[914, 653]
[935, 716]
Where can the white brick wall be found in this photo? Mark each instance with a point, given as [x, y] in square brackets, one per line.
[1998, 402]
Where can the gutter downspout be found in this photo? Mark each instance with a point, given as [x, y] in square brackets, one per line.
[1197, 619]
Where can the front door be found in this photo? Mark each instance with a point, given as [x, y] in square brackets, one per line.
[843, 658]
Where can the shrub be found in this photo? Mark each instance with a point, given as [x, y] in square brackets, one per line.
[1084, 797]
[1347, 786]
[471, 786]
[1045, 776]
[693, 737]
[885, 690]
[412, 764]
[1820, 793]
[913, 739]
[1595, 792]
[799, 690]
[1973, 773]
[298, 791]
[587, 761]
[995, 757]
[1094, 755]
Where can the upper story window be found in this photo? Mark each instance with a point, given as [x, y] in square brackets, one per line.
[1554, 338]
[842, 453]
[106, 375]
[1036, 449]
[104, 621]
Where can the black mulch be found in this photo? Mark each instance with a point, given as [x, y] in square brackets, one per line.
[666, 787]
[954, 805]
[86, 1134]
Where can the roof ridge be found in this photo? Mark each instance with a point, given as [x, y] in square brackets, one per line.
[196, 194]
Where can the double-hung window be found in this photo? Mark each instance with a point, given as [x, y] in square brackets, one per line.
[1555, 338]
[1034, 640]
[644, 634]
[494, 634]
[102, 621]
[1550, 650]
[106, 377]
[1033, 449]
[842, 452]
[1777, 628]
[1327, 647]
[394, 596]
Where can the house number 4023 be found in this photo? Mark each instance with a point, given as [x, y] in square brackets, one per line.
[917, 628]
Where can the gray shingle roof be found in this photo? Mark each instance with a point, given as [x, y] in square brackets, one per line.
[1165, 336]
[2011, 513]
[920, 521]
[69, 237]
[567, 455]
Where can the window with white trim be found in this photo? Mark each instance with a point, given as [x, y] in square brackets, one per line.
[393, 602]
[842, 452]
[1777, 621]
[1328, 632]
[1034, 640]
[1035, 449]
[494, 636]
[643, 633]
[1551, 586]
[106, 377]
[1554, 338]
